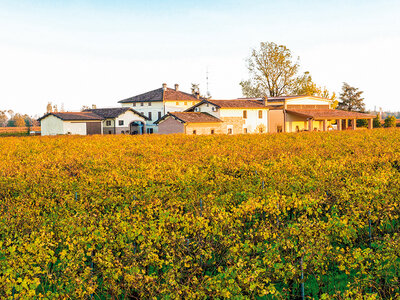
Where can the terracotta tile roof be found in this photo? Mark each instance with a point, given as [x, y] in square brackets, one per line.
[72, 116]
[329, 114]
[171, 94]
[159, 94]
[237, 103]
[191, 117]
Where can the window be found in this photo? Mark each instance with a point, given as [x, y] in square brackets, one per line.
[207, 105]
[149, 130]
[159, 114]
[245, 114]
[185, 103]
[214, 108]
[194, 131]
[141, 103]
[212, 131]
[108, 123]
[245, 130]
[177, 103]
[193, 103]
[121, 122]
[230, 130]
[197, 109]
[133, 104]
[109, 132]
[149, 103]
[260, 114]
[150, 115]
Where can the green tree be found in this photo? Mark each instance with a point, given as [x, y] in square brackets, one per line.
[390, 121]
[272, 71]
[350, 99]
[376, 122]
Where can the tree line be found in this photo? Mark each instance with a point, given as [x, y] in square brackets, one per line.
[8, 118]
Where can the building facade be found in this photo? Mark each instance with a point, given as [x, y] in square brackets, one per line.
[94, 121]
[157, 103]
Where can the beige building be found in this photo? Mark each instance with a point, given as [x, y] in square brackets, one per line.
[308, 113]
[228, 116]
[189, 123]
[155, 104]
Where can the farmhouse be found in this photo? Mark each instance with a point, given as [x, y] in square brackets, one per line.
[308, 113]
[217, 116]
[94, 121]
[122, 120]
[155, 104]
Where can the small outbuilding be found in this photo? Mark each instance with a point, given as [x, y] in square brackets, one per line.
[189, 123]
[81, 123]
[122, 120]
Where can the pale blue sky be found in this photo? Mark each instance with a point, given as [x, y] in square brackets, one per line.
[98, 52]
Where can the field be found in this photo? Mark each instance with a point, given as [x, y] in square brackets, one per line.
[181, 217]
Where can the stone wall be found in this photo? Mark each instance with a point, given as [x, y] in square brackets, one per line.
[236, 122]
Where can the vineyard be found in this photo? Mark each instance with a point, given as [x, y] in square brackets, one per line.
[183, 217]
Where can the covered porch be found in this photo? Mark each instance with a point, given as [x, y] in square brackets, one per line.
[321, 119]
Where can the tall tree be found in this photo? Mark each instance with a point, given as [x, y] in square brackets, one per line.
[272, 71]
[49, 107]
[3, 118]
[350, 99]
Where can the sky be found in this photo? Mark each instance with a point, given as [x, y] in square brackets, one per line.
[79, 53]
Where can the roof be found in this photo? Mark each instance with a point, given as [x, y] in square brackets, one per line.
[161, 95]
[74, 116]
[237, 103]
[111, 113]
[191, 117]
[320, 114]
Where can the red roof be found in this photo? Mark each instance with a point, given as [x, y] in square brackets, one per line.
[320, 114]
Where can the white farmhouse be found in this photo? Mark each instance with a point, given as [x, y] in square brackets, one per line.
[155, 104]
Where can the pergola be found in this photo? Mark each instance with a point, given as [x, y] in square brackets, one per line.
[326, 115]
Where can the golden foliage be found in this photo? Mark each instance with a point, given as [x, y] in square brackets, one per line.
[200, 216]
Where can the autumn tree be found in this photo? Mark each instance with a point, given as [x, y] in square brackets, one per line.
[350, 99]
[272, 71]
[3, 118]
[390, 121]
[377, 122]
[49, 107]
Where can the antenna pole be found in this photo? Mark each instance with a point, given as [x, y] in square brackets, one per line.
[208, 92]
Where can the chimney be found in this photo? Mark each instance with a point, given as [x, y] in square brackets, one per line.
[176, 87]
[264, 100]
[93, 106]
[164, 86]
[197, 94]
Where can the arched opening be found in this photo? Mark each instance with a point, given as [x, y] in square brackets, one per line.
[136, 127]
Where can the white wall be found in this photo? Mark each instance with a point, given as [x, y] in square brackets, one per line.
[128, 117]
[252, 121]
[75, 127]
[208, 108]
[51, 125]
